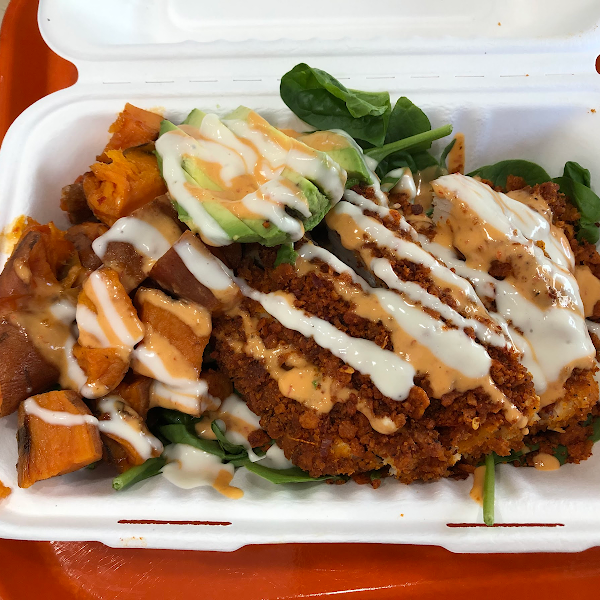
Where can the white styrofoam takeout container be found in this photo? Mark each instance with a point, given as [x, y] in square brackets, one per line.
[516, 76]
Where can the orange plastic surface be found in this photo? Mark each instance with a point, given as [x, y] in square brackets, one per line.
[82, 570]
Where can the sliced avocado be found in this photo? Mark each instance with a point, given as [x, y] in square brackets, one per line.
[166, 125]
[236, 229]
[318, 203]
[343, 151]
[191, 167]
[194, 118]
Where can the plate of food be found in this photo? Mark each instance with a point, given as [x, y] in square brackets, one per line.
[317, 315]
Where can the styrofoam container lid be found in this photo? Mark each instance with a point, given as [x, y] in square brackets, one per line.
[516, 76]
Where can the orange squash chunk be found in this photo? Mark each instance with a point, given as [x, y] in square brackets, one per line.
[103, 367]
[46, 449]
[114, 190]
[134, 126]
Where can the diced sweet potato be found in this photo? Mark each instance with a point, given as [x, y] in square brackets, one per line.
[34, 266]
[114, 190]
[74, 203]
[104, 345]
[120, 450]
[82, 236]
[5, 491]
[134, 126]
[135, 391]
[171, 274]
[47, 449]
[186, 325]
[23, 371]
[103, 367]
[123, 257]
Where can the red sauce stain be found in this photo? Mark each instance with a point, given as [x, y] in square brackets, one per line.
[151, 522]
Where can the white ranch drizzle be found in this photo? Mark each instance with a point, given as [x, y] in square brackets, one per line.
[63, 310]
[143, 236]
[87, 320]
[593, 327]
[145, 444]
[557, 336]
[172, 146]
[189, 468]
[389, 373]
[156, 368]
[405, 183]
[57, 417]
[405, 249]
[275, 458]
[205, 267]
[244, 421]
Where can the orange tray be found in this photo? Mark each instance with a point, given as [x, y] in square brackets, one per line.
[83, 570]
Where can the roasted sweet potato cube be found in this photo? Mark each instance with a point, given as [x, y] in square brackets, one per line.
[82, 236]
[129, 442]
[125, 257]
[23, 370]
[36, 262]
[5, 491]
[103, 367]
[135, 391]
[47, 449]
[114, 190]
[186, 325]
[74, 203]
[171, 273]
[134, 126]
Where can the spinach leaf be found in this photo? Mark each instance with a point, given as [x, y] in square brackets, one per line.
[577, 173]
[286, 254]
[489, 484]
[227, 446]
[407, 120]
[148, 469]
[586, 201]
[498, 172]
[514, 455]
[175, 417]
[561, 453]
[278, 476]
[445, 153]
[595, 437]
[409, 143]
[322, 101]
[179, 434]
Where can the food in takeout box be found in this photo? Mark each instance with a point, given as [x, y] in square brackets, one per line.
[331, 303]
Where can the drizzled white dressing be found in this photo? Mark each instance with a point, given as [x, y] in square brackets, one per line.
[57, 417]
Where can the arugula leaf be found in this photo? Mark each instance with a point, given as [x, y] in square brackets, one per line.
[149, 468]
[489, 484]
[286, 254]
[498, 172]
[227, 446]
[445, 153]
[411, 143]
[322, 101]
[586, 201]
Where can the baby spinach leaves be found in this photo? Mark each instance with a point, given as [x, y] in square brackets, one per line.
[575, 184]
[322, 101]
[149, 468]
[498, 172]
[395, 138]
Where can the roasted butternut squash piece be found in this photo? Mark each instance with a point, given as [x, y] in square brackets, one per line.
[103, 367]
[23, 370]
[47, 449]
[114, 190]
[134, 126]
